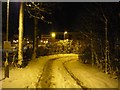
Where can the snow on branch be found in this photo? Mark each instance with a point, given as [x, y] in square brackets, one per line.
[103, 14]
[38, 12]
[40, 9]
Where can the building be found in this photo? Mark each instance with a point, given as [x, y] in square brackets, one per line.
[45, 39]
[67, 35]
[58, 36]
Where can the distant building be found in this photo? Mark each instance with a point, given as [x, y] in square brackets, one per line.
[45, 39]
[67, 35]
[59, 36]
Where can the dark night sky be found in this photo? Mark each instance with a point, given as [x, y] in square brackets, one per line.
[66, 15]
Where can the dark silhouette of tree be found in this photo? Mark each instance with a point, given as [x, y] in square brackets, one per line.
[38, 11]
[99, 19]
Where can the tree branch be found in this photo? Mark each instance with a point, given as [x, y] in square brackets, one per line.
[41, 17]
[42, 10]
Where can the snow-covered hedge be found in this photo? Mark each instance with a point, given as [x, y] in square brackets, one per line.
[63, 46]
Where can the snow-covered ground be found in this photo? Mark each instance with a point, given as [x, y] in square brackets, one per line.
[91, 77]
[58, 71]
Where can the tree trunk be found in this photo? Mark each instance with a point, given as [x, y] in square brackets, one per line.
[35, 39]
[96, 58]
[106, 43]
[106, 48]
[20, 49]
[92, 49]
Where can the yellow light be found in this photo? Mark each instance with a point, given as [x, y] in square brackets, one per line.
[53, 34]
[28, 42]
[16, 40]
[65, 32]
[46, 41]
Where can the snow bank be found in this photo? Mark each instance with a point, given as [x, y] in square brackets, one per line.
[90, 76]
[27, 77]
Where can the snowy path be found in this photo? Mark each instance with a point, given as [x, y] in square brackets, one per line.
[58, 71]
[68, 72]
[45, 78]
[62, 77]
[56, 76]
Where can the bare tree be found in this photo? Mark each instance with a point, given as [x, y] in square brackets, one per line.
[38, 11]
[101, 15]
[106, 41]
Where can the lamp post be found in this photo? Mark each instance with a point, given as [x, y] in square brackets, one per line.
[53, 35]
[65, 34]
[7, 28]
[20, 41]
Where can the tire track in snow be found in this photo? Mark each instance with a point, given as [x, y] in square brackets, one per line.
[62, 78]
[46, 76]
[44, 80]
[74, 77]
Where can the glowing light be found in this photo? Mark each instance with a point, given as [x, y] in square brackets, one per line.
[28, 42]
[46, 41]
[65, 32]
[16, 40]
[53, 34]
[41, 40]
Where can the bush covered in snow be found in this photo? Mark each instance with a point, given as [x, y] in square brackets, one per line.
[87, 55]
[42, 51]
[63, 47]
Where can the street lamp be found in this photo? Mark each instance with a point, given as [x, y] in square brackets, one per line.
[65, 34]
[53, 35]
[7, 29]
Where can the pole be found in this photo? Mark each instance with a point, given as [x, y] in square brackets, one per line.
[35, 38]
[7, 20]
[7, 29]
[64, 36]
[20, 50]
